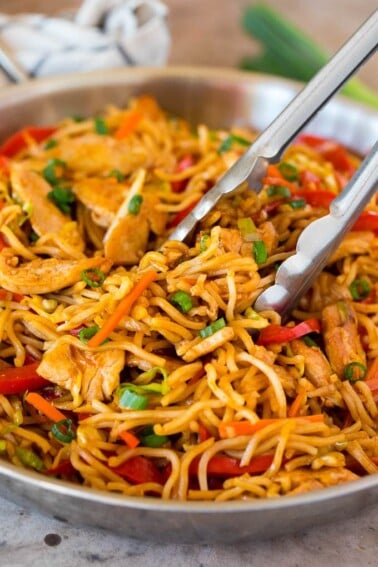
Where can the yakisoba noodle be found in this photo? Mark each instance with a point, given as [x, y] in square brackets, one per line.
[137, 365]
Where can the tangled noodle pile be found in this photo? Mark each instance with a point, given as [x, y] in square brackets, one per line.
[135, 364]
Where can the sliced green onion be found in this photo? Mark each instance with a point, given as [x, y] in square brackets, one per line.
[355, 371]
[289, 171]
[135, 204]
[29, 458]
[260, 252]
[63, 431]
[87, 333]
[297, 203]
[359, 289]
[182, 300]
[63, 198]
[101, 126]
[247, 228]
[49, 172]
[230, 140]
[309, 341]
[33, 236]
[132, 400]
[149, 439]
[93, 277]
[291, 53]
[52, 143]
[49, 305]
[213, 328]
[278, 191]
[252, 314]
[117, 174]
[3, 445]
[77, 118]
[204, 243]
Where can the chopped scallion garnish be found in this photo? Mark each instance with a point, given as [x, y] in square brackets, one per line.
[63, 198]
[117, 174]
[247, 228]
[278, 191]
[359, 289]
[232, 139]
[29, 458]
[93, 277]
[289, 171]
[149, 439]
[87, 333]
[213, 328]
[355, 371]
[260, 252]
[63, 431]
[132, 400]
[297, 203]
[182, 300]
[52, 143]
[101, 126]
[204, 243]
[135, 204]
[49, 172]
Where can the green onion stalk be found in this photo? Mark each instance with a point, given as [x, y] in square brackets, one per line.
[288, 52]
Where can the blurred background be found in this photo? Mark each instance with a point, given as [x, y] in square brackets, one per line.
[209, 32]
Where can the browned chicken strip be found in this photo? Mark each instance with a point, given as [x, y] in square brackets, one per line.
[102, 197]
[46, 275]
[342, 341]
[317, 367]
[45, 217]
[126, 240]
[90, 375]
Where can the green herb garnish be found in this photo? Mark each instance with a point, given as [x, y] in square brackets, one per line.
[63, 198]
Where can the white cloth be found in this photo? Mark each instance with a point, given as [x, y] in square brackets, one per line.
[102, 34]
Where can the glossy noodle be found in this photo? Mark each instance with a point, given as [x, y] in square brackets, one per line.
[137, 365]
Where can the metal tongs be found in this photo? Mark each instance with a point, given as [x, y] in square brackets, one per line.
[320, 239]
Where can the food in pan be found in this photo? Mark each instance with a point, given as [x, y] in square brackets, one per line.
[134, 364]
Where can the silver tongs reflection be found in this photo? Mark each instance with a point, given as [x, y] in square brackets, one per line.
[321, 237]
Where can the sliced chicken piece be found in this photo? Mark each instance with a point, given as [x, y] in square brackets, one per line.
[103, 196]
[45, 217]
[317, 367]
[94, 154]
[209, 344]
[86, 374]
[356, 242]
[307, 480]
[45, 275]
[126, 240]
[335, 292]
[269, 235]
[341, 338]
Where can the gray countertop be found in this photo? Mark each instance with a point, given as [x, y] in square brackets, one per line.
[28, 538]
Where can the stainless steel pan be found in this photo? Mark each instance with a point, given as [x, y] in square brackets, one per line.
[218, 98]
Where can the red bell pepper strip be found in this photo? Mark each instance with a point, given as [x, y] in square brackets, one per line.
[318, 198]
[331, 151]
[19, 140]
[65, 468]
[368, 220]
[14, 296]
[139, 470]
[223, 466]
[274, 334]
[181, 215]
[4, 165]
[19, 380]
[183, 164]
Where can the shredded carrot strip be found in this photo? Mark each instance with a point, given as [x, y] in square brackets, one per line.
[273, 171]
[131, 440]
[44, 407]
[235, 428]
[128, 124]
[372, 372]
[295, 406]
[122, 309]
[268, 180]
